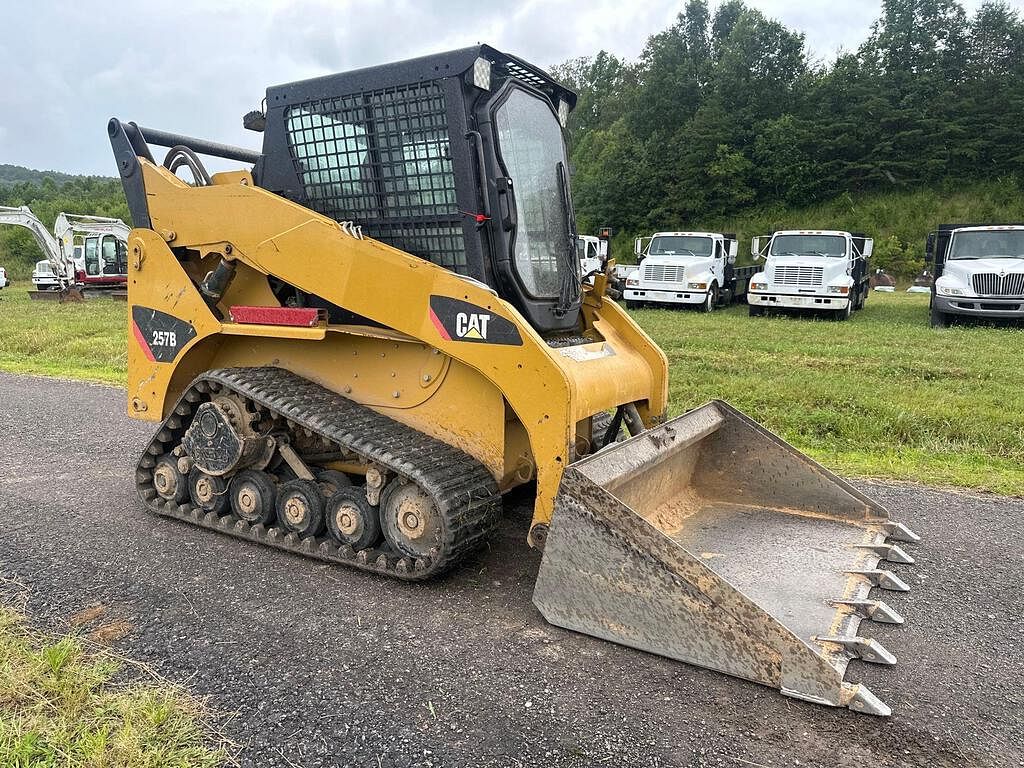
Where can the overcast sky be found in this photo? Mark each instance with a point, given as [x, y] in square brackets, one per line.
[68, 65]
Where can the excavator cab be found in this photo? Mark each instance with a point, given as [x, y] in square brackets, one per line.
[457, 158]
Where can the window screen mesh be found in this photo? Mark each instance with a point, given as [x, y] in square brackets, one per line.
[382, 159]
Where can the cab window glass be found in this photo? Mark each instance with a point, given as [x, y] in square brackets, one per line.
[109, 249]
[92, 256]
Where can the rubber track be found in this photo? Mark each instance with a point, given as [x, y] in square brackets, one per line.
[463, 490]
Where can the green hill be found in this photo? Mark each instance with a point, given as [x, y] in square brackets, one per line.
[16, 174]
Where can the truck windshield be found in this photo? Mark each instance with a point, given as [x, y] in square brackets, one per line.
[533, 150]
[681, 245]
[998, 244]
[833, 246]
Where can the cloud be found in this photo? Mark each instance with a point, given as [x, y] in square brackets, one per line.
[196, 67]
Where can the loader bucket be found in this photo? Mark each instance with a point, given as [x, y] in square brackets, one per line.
[712, 541]
[70, 295]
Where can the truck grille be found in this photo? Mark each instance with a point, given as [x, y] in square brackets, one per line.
[990, 284]
[664, 273]
[791, 275]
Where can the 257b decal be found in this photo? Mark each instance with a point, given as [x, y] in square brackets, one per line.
[457, 320]
[164, 339]
[161, 336]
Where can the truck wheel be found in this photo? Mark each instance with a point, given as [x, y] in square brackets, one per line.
[844, 314]
[755, 311]
[712, 299]
[939, 319]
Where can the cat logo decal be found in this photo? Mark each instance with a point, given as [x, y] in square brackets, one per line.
[457, 320]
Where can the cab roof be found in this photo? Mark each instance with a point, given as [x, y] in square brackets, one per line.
[837, 232]
[725, 235]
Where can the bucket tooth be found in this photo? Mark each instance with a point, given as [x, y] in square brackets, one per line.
[876, 610]
[863, 648]
[890, 552]
[860, 699]
[709, 540]
[883, 579]
[899, 532]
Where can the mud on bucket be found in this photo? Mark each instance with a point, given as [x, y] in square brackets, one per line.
[712, 541]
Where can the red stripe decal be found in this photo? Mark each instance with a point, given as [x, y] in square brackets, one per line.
[142, 343]
[440, 327]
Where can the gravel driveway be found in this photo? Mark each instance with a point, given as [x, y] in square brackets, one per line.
[317, 665]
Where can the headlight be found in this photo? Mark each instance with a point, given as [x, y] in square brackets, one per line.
[947, 291]
[632, 281]
[697, 286]
[844, 289]
[759, 286]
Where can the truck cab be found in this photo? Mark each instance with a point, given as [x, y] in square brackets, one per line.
[696, 268]
[821, 270]
[44, 278]
[592, 252]
[979, 272]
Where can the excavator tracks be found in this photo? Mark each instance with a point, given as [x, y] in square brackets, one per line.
[464, 493]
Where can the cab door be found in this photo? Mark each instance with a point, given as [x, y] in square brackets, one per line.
[93, 267]
[113, 256]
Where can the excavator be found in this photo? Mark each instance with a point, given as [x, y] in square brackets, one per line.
[355, 344]
[83, 251]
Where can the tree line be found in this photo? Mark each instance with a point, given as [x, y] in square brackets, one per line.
[727, 112]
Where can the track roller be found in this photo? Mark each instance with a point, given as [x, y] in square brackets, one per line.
[208, 492]
[300, 507]
[253, 496]
[351, 519]
[169, 482]
[331, 481]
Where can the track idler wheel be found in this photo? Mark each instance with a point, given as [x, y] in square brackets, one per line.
[169, 482]
[410, 520]
[300, 507]
[253, 497]
[351, 519]
[208, 492]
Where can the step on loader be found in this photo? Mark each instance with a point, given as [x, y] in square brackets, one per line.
[354, 346]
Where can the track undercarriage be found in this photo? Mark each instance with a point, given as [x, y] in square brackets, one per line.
[268, 456]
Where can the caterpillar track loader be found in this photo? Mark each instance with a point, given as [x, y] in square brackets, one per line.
[356, 345]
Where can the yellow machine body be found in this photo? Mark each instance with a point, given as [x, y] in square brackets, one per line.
[522, 410]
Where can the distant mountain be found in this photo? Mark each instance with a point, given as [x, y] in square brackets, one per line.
[16, 174]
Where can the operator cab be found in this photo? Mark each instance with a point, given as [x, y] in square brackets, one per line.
[458, 158]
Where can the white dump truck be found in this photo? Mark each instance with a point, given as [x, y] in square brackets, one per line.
[979, 272]
[697, 268]
[822, 270]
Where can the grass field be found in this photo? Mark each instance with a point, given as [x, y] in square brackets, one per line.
[882, 395]
[80, 341]
[59, 706]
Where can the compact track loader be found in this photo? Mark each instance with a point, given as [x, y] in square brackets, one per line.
[356, 347]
